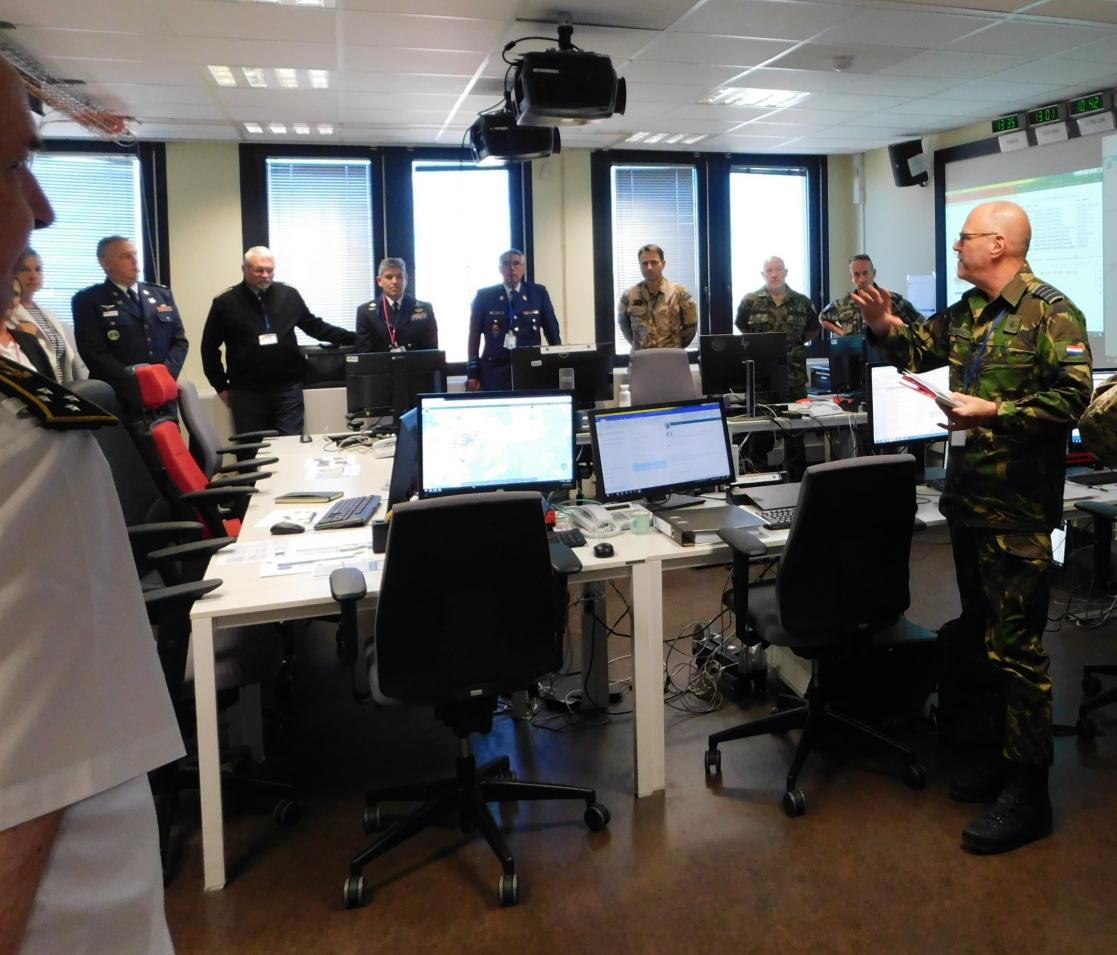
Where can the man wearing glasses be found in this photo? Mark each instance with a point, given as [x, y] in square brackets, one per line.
[1020, 378]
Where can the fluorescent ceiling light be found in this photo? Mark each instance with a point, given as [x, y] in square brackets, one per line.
[691, 140]
[656, 138]
[255, 128]
[319, 79]
[750, 96]
[278, 128]
[222, 75]
[637, 137]
[301, 128]
[254, 76]
[325, 129]
[671, 140]
[287, 77]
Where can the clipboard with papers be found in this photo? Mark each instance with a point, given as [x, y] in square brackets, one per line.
[920, 383]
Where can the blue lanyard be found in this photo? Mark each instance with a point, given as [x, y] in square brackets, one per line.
[978, 357]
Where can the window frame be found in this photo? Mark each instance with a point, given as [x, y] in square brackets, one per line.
[155, 237]
[393, 227]
[716, 305]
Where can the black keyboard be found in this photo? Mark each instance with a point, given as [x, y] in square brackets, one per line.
[349, 512]
[571, 538]
[778, 518]
[1094, 478]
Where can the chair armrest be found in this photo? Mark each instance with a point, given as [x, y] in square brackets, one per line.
[1098, 509]
[219, 495]
[253, 435]
[241, 448]
[563, 560]
[743, 542]
[185, 563]
[147, 537]
[239, 480]
[247, 465]
[180, 596]
[209, 547]
[347, 586]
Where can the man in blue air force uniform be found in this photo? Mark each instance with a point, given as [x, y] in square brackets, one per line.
[395, 320]
[123, 322]
[511, 315]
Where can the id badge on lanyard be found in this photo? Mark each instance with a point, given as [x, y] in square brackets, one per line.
[973, 369]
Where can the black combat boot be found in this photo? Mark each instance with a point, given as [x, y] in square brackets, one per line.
[1021, 814]
[980, 778]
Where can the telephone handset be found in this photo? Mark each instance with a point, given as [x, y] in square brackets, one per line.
[593, 519]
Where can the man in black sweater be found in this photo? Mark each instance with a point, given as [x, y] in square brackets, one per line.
[256, 322]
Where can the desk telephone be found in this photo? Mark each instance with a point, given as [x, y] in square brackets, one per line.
[593, 519]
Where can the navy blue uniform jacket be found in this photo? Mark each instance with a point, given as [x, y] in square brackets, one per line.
[113, 334]
[532, 313]
[415, 328]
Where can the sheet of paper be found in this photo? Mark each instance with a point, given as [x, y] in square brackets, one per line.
[332, 466]
[245, 553]
[300, 555]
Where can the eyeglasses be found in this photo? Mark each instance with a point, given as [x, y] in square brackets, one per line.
[964, 237]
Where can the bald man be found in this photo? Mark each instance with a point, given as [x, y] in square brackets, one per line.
[1020, 374]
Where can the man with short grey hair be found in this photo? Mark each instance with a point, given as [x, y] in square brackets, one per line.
[261, 378]
[395, 321]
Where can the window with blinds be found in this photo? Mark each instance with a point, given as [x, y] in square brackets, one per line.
[93, 195]
[654, 204]
[320, 232]
[778, 197]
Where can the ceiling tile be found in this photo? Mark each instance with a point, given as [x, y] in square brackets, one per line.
[126, 16]
[421, 32]
[865, 59]
[910, 28]
[1066, 68]
[1024, 39]
[953, 63]
[247, 21]
[637, 14]
[396, 60]
[652, 71]
[787, 21]
[718, 50]
[1097, 11]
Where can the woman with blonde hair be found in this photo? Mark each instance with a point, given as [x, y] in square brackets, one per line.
[53, 338]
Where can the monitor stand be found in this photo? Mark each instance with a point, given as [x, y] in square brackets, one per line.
[672, 502]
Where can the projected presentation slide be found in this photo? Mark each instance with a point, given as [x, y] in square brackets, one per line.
[1066, 215]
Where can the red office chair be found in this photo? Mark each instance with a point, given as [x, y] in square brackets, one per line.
[221, 503]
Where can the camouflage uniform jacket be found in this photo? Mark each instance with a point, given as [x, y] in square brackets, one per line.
[1009, 474]
[667, 319]
[1099, 423]
[846, 313]
[795, 316]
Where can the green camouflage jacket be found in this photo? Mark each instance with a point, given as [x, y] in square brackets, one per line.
[1036, 366]
[846, 313]
[796, 317]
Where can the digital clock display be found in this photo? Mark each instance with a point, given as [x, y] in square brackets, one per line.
[1045, 114]
[1090, 103]
[1007, 124]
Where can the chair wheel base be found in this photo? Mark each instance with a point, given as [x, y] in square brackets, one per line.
[915, 776]
[1091, 686]
[508, 889]
[596, 817]
[713, 762]
[794, 803]
[287, 812]
[355, 891]
[371, 819]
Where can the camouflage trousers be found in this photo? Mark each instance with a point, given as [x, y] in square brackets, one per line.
[1004, 584]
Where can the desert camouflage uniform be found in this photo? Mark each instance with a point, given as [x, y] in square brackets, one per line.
[796, 317]
[846, 313]
[667, 319]
[1004, 487]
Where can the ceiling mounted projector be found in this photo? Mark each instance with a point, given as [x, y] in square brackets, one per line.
[566, 87]
[495, 137]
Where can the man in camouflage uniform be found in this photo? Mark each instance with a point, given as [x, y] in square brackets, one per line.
[776, 308]
[657, 313]
[843, 315]
[1020, 372]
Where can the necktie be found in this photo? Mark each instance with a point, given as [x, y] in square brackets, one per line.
[135, 300]
[395, 311]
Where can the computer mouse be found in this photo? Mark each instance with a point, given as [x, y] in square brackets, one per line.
[287, 527]
[603, 550]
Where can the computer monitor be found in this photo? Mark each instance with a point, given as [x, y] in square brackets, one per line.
[1077, 451]
[899, 414]
[379, 383]
[651, 451]
[847, 364]
[722, 359]
[405, 462]
[496, 440]
[585, 369]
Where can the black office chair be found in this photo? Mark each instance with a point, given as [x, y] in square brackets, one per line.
[458, 622]
[842, 590]
[206, 445]
[1096, 696]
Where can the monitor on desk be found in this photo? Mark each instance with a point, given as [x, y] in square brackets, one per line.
[496, 440]
[847, 364]
[587, 370]
[724, 362]
[651, 451]
[900, 415]
[379, 383]
[405, 462]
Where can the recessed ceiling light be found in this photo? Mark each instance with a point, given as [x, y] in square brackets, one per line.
[254, 128]
[691, 140]
[325, 129]
[750, 96]
[301, 128]
[677, 137]
[278, 128]
[319, 79]
[637, 137]
[656, 138]
[287, 77]
[222, 75]
[254, 76]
